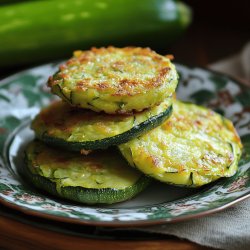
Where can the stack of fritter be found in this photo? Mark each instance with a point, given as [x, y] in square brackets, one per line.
[118, 113]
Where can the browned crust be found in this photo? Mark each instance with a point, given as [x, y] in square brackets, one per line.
[125, 86]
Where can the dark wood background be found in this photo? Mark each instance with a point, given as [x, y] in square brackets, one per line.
[220, 28]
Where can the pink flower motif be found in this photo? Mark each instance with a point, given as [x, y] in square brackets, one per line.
[55, 208]
[238, 185]
[7, 192]
[3, 130]
[29, 198]
[44, 88]
[225, 97]
[180, 208]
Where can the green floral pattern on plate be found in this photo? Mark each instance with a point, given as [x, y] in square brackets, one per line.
[23, 94]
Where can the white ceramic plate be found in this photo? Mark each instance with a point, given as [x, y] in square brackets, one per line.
[23, 94]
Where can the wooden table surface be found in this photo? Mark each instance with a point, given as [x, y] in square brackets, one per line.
[17, 235]
[201, 45]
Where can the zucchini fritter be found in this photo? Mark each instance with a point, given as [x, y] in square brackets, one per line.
[195, 146]
[102, 177]
[115, 80]
[79, 129]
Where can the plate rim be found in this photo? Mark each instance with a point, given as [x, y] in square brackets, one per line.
[139, 223]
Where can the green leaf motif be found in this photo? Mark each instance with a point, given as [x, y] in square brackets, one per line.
[5, 98]
[245, 139]
[31, 97]
[25, 80]
[9, 123]
[4, 187]
[244, 98]
[219, 111]
[202, 96]
[219, 81]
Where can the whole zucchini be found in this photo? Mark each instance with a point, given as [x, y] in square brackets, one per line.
[35, 31]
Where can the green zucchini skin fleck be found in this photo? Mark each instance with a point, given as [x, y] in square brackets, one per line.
[124, 188]
[66, 137]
